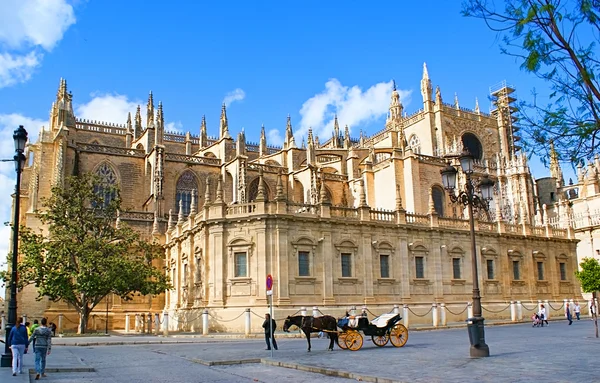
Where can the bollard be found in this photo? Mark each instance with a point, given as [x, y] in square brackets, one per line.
[126, 323]
[519, 311]
[205, 322]
[364, 311]
[165, 324]
[156, 324]
[303, 311]
[513, 311]
[443, 314]
[136, 324]
[143, 322]
[248, 323]
[405, 315]
[24, 319]
[353, 310]
[547, 304]
[469, 310]
[60, 323]
[149, 317]
[540, 306]
[315, 311]
[434, 314]
[396, 309]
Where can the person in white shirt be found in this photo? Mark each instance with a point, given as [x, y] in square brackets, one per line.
[577, 310]
[542, 315]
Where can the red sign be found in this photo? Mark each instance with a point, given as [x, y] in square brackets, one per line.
[269, 282]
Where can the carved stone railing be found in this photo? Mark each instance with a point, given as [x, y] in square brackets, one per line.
[111, 150]
[539, 231]
[241, 209]
[487, 226]
[414, 118]
[174, 137]
[383, 215]
[559, 233]
[327, 158]
[512, 228]
[301, 208]
[136, 216]
[344, 212]
[454, 223]
[273, 149]
[334, 177]
[266, 168]
[100, 127]
[417, 219]
[192, 159]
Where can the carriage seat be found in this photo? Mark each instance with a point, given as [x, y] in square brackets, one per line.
[382, 320]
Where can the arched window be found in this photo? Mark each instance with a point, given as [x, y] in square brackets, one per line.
[415, 143]
[186, 185]
[471, 142]
[253, 190]
[437, 194]
[107, 183]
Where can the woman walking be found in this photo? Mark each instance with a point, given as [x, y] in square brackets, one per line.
[542, 315]
[568, 315]
[42, 345]
[17, 339]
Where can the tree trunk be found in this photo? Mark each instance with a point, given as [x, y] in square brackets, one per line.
[83, 320]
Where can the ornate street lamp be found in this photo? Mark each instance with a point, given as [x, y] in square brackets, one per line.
[473, 201]
[20, 138]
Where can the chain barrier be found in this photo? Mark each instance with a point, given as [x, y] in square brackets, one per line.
[495, 312]
[528, 309]
[428, 311]
[370, 312]
[67, 318]
[187, 320]
[460, 313]
[556, 309]
[228, 320]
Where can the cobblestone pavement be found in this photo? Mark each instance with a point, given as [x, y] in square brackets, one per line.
[519, 353]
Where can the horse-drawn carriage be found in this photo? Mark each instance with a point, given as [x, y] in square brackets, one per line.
[383, 329]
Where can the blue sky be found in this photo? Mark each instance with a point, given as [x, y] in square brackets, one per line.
[309, 59]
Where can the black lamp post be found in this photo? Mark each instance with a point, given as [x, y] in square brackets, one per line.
[473, 201]
[20, 137]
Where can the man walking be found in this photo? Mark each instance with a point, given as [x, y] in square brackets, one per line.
[270, 337]
[577, 310]
[568, 315]
[42, 338]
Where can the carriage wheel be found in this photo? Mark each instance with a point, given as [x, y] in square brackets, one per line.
[399, 335]
[341, 340]
[380, 340]
[354, 340]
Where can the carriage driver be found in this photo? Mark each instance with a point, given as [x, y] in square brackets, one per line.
[268, 334]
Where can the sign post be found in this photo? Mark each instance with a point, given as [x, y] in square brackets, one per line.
[270, 298]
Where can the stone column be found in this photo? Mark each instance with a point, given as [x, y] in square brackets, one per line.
[434, 315]
[248, 323]
[137, 323]
[281, 258]
[205, 322]
[165, 324]
[396, 309]
[367, 263]
[149, 318]
[519, 311]
[443, 314]
[156, 324]
[218, 252]
[513, 311]
[126, 323]
[469, 310]
[547, 304]
[263, 261]
[405, 315]
[404, 266]
[60, 323]
[327, 253]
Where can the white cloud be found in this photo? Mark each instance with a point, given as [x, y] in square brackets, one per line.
[29, 26]
[17, 68]
[108, 108]
[174, 127]
[274, 137]
[237, 94]
[8, 124]
[352, 105]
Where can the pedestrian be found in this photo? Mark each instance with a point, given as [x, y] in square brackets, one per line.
[542, 315]
[568, 315]
[592, 308]
[577, 310]
[18, 342]
[42, 340]
[52, 326]
[35, 325]
[270, 336]
[28, 327]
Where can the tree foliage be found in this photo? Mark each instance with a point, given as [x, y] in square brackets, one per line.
[556, 40]
[589, 275]
[85, 255]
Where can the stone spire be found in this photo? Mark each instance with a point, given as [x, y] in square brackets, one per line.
[323, 192]
[477, 106]
[279, 196]
[438, 96]
[219, 197]
[180, 214]
[260, 195]
[160, 125]
[363, 194]
[336, 133]
[240, 145]
[555, 170]
[150, 112]
[426, 88]
[310, 148]
[207, 193]
[171, 224]
[137, 127]
[396, 107]
[431, 203]
[193, 203]
[346, 137]
[289, 141]
[398, 199]
[223, 125]
[62, 109]
[155, 224]
[456, 105]
[262, 145]
[203, 134]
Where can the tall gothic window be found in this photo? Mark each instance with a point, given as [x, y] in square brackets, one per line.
[415, 144]
[472, 143]
[253, 190]
[108, 183]
[437, 193]
[186, 185]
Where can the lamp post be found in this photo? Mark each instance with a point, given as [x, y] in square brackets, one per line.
[472, 201]
[20, 138]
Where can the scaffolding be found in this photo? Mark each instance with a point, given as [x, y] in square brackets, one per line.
[504, 108]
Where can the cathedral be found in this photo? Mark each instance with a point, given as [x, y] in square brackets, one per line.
[338, 222]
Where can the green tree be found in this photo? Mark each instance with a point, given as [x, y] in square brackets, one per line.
[589, 277]
[556, 40]
[85, 254]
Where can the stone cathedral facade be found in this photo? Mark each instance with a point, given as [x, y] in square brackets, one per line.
[338, 222]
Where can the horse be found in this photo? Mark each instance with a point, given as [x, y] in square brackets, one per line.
[309, 324]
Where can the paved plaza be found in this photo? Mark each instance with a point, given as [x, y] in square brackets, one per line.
[520, 353]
